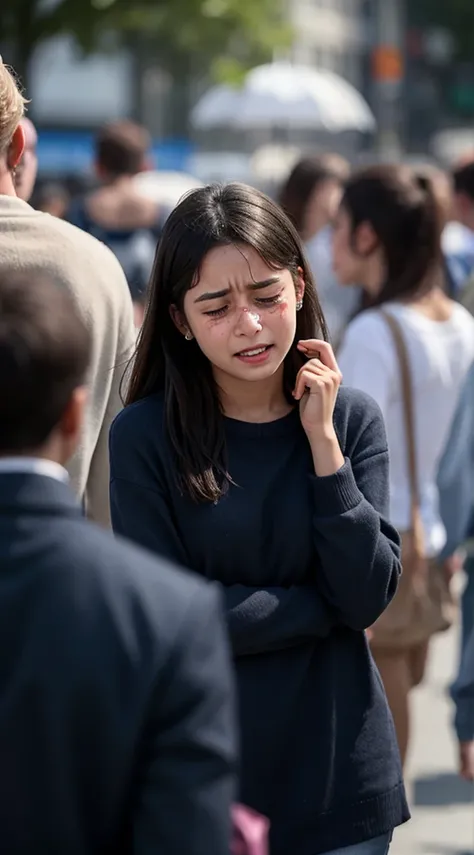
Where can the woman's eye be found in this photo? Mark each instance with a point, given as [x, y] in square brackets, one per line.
[268, 300]
[216, 313]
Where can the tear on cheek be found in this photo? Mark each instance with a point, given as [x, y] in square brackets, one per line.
[282, 308]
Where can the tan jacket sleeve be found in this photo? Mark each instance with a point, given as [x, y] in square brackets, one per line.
[97, 504]
[96, 493]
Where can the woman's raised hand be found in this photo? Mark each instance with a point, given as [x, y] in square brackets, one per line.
[316, 388]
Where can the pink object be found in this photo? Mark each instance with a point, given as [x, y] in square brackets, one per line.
[249, 832]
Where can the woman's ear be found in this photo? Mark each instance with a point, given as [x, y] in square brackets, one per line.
[365, 240]
[179, 321]
[300, 284]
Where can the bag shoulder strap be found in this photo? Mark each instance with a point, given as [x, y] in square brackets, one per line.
[408, 408]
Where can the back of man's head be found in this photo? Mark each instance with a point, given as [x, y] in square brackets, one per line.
[44, 355]
[122, 149]
[12, 107]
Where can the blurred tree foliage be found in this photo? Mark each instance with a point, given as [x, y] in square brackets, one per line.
[456, 16]
[220, 36]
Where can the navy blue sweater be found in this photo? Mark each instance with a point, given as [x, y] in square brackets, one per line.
[306, 564]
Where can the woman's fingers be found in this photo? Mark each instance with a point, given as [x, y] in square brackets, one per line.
[322, 350]
[302, 383]
[314, 373]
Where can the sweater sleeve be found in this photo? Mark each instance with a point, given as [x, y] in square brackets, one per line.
[358, 549]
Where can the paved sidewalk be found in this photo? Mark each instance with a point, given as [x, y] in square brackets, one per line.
[442, 804]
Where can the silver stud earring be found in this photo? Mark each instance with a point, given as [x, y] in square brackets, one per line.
[299, 305]
[188, 336]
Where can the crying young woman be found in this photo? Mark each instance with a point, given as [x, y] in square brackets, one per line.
[240, 456]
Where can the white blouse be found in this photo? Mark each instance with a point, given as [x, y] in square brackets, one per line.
[440, 354]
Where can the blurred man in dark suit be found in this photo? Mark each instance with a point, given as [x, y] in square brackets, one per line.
[116, 703]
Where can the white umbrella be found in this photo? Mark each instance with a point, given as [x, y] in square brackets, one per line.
[216, 107]
[285, 95]
[166, 188]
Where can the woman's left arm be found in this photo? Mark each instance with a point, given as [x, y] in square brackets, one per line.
[359, 550]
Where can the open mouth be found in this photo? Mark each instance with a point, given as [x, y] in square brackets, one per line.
[255, 354]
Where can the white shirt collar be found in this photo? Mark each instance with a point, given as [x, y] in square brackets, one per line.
[33, 466]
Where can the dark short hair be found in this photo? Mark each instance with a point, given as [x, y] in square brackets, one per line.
[463, 180]
[405, 211]
[210, 217]
[44, 355]
[303, 180]
[122, 147]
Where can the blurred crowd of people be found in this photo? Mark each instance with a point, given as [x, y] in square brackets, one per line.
[398, 240]
[117, 695]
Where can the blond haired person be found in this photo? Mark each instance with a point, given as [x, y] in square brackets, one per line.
[38, 243]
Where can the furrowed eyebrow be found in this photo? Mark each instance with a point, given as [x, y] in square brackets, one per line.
[253, 286]
[212, 295]
[256, 286]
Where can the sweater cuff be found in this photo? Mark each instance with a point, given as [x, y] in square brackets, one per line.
[336, 494]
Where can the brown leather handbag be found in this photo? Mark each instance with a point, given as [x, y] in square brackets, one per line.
[423, 604]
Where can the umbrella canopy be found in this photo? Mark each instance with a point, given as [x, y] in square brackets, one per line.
[285, 95]
[165, 188]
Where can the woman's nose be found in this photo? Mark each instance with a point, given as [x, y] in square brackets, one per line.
[248, 321]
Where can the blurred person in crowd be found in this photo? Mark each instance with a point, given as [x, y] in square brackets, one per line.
[456, 487]
[27, 169]
[311, 197]
[312, 193]
[458, 237]
[388, 238]
[456, 471]
[116, 213]
[36, 243]
[239, 457]
[52, 198]
[116, 703]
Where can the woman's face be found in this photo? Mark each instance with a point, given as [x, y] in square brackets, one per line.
[322, 207]
[348, 263]
[242, 313]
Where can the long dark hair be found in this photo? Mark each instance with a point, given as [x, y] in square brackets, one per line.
[303, 180]
[164, 361]
[407, 217]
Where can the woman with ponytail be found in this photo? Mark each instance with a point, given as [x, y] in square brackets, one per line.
[410, 349]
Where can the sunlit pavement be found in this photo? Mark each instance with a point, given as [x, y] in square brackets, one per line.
[442, 805]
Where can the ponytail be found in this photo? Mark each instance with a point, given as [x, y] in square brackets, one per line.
[405, 213]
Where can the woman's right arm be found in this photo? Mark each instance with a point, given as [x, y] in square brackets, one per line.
[259, 619]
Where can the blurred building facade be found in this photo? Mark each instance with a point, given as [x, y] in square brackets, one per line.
[331, 34]
[328, 34]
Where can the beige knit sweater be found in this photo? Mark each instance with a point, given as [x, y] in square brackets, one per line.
[33, 241]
